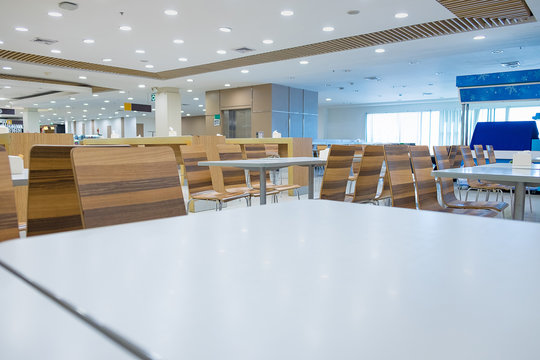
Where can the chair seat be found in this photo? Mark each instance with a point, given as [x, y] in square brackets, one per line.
[217, 196]
[474, 212]
[492, 205]
[287, 187]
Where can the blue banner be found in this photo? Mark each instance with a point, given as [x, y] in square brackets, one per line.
[500, 93]
[501, 78]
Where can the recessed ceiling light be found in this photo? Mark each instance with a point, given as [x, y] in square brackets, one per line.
[143, 114]
[7, 68]
[68, 106]
[142, 86]
[53, 102]
[54, 14]
[328, 99]
[303, 62]
[106, 60]
[196, 98]
[88, 41]
[56, 51]
[95, 95]
[1, 42]
[171, 12]
[182, 59]
[200, 105]
[125, 28]
[244, 71]
[149, 66]
[380, 50]
[328, 28]
[221, 52]
[178, 41]
[268, 41]
[106, 101]
[82, 77]
[189, 90]
[20, 28]
[188, 114]
[85, 110]
[140, 51]
[7, 87]
[287, 13]
[227, 85]
[182, 111]
[497, 51]
[189, 80]
[225, 29]
[85, 104]
[401, 15]
[121, 92]
[479, 37]
[130, 98]
[103, 108]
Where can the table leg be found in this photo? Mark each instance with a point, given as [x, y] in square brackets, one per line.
[519, 201]
[262, 182]
[311, 185]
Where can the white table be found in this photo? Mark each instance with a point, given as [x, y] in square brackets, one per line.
[262, 165]
[20, 179]
[500, 173]
[33, 327]
[303, 280]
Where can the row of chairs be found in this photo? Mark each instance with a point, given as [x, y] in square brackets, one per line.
[408, 183]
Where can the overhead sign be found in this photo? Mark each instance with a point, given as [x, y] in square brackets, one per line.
[7, 111]
[153, 97]
[137, 107]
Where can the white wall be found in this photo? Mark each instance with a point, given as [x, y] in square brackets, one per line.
[149, 125]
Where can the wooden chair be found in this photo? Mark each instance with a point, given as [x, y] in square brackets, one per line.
[359, 150]
[123, 185]
[426, 188]
[9, 225]
[199, 178]
[454, 156]
[369, 172]
[258, 151]
[447, 188]
[479, 152]
[336, 172]
[385, 190]
[398, 166]
[234, 179]
[53, 201]
[272, 150]
[491, 154]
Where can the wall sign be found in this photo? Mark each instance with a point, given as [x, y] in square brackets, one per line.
[7, 111]
[137, 107]
[217, 120]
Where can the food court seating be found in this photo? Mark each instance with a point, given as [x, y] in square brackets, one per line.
[491, 154]
[369, 172]
[336, 172]
[9, 226]
[454, 156]
[359, 150]
[122, 185]
[199, 179]
[447, 188]
[479, 152]
[400, 179]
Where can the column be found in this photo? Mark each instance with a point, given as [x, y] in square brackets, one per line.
[168, 115]
[31, 120]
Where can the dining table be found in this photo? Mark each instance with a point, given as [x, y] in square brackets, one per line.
[303, 279]
[501, 173]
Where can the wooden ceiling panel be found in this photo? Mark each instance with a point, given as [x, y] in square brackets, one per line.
[487, 8]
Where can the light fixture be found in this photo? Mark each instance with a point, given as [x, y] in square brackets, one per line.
[221, 52]
[178, 41]
[121, 92]
[380, 50]
[54, 14]
[189, 90]
[103, 108]
[130, 98]
[497, 51]
[244, 71]
[200, 105]
[68, 106]
[227, 85]
[189, 80]
[106, 60]
[7, 68]
[401, 15]
[140, 51]
[196, 99]
[7, 87]
[171, 12]
[125, 28]
[95, 95]
[142, 86]
[328, 28]
[225, 29]
[106, 101]
[56, 51]
[182, 59]
[268, 41]
[82, 77]
[53, 102]
[303, 62]
[479, 37]
[149, 66]
[1, 42]
[287, 13]
[88, 41]
[328, 99]
[20, 28]
[85, 104]
[188, 114]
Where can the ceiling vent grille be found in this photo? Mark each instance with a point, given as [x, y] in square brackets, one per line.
[44, 41]
[244, 50]
[511, 64]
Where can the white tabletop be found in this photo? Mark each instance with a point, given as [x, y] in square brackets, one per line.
[266, 163]
[20, 179]
[499, 172]
[33, 327]
[304, 280]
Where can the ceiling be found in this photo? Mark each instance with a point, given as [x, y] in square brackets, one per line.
[422, 69]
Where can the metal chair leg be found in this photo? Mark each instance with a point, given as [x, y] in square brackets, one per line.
[467, 194]
[188, 203]
[487, 195]
[530, 198]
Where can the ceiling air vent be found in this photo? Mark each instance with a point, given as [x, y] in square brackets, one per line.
[243, 50]
[68, 5]
[511, 64]
[372, 78]
[44, 41]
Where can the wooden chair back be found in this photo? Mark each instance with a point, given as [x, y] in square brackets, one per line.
[232, 177]
[369, 173]
[447, 184]
[398, 166]
[480, 158]
[255, 151]
[123, 185]
[336, 172]
[272, 150]
[491, 154]
[454, 156]
[199, 178]
[358, 150]
[468, 160]
[53, 201]
[426, 187]
[9, 225]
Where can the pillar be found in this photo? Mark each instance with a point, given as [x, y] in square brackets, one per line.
[168, 111]
[31, 120]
